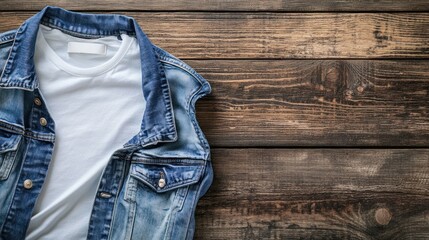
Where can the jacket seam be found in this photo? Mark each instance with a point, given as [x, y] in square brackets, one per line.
[195, 198]
[47, 21]
[17, 130]
[190, 99]
[179, 161]
[6, 41]
[171, 59]
[169, 187]
[7, 36]
[9, 60]
[122, 180]
[167, 60]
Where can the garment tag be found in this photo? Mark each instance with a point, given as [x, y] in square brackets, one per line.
[89, 48]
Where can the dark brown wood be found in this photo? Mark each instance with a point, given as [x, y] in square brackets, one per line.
[280, 35]
[315, 103]
[224, 5]
[317, 194]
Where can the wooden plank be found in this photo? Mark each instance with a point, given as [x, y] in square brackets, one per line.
[280, 35]
[225, 5]
[316, 194]
[315, 102]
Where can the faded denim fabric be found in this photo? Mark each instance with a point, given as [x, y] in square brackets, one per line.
[151, 186]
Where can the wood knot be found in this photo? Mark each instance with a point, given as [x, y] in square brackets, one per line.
[348, 94]
[382, 216]
[333, 75]
[360, 89]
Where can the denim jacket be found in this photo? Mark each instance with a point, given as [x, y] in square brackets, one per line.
[151, 186]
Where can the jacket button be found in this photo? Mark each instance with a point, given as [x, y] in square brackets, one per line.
[105, 195]
[43, 121]
[161, 183]
[28, 184]
[37, 101]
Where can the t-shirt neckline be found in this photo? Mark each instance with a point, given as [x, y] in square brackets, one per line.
[80, 71]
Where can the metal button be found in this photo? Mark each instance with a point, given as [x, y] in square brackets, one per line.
[105, 195]
[28, 184]
[161, 183]
[43, 121]
[37, 101]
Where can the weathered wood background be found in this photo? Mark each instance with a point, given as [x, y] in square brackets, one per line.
[319, 115]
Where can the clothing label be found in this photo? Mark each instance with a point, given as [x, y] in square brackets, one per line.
[89, 48]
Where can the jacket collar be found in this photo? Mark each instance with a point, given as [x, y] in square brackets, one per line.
[158, 119]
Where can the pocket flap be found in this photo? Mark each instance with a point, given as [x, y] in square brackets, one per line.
[8, 141]
[173, 175]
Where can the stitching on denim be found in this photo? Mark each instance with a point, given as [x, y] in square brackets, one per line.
[198, 94]
[163, 136]
[161, 161]
[169, 187]
[18, 129]
[192, 115]
[169, 58]
[3, 41]
[49, 136]
[7, 36]
[132, 203]
[18, 83]
[10, 159]
[184, 67]
[12, 207]
[43, 137]
[171, 218]
[34, 135]
[13, 146]
[169, 106]
[194, 120]
[47, 21]
[127, 157]
[179, 206]
[195, 199]
[10, 56]
[130, 220]
[5, 126]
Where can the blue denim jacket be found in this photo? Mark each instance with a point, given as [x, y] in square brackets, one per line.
[151, 186]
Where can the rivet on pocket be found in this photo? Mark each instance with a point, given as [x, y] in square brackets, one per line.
[161, 182]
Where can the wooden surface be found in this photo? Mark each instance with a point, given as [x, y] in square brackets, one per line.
[317, 194]
[224, 5]
[225, 35]
[319, 114]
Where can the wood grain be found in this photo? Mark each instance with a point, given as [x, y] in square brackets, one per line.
[315, 102]
[224, 5]
[279, 35]
[337, 73]
[317, 194]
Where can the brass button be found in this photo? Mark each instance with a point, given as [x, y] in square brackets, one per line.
[28, 184]
[161, 183]
[37, 101]
[43, 121]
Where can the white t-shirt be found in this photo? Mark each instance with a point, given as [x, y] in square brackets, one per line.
[97, 104]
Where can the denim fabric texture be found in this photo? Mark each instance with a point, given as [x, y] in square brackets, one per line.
[151, 186]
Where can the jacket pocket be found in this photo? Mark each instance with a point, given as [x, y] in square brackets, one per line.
[8, 148]
[166, 183]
